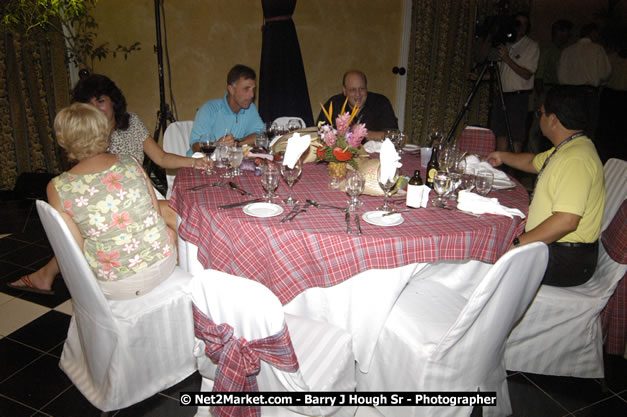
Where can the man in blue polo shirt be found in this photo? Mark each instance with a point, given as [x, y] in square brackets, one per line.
[233, 117]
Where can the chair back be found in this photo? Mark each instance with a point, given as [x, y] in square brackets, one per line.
[477, 140]
[283, 120]
[615, 171]
[90, 308]
[476, 340]
[176, 141]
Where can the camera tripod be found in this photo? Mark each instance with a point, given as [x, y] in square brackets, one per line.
[488, 65]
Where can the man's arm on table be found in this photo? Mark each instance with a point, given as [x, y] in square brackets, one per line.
[521, 161]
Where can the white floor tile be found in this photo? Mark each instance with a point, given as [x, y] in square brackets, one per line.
[5, 298]
[66, 307]
[16, 313]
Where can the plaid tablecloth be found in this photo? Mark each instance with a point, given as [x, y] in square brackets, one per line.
[314, 250]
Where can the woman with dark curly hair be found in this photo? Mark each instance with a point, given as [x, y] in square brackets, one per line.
[128, 136]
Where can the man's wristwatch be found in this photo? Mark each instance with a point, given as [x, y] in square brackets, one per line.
[516, 241]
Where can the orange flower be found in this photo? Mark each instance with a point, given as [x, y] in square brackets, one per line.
[342, 155]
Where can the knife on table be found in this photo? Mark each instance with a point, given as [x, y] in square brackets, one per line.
[347, 217]
[241, 203]
[302, 210]
[236, 188]
[357, 223]
[292, 212]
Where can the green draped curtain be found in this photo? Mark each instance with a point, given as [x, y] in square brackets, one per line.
[440, 57]
[34, 84]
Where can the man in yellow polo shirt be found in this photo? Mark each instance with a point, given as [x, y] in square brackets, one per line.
[567, 205]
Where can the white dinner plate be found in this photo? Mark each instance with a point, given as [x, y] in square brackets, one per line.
[411, 147]
[376, 218]
[501, 184]
[263, 209]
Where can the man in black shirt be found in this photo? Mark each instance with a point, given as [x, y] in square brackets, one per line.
[375, 109]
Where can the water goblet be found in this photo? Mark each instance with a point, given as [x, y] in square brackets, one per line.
[468, 179]
[237, 155]
[291, 175]
[270, 181]
[261, 141]
[223, 155]
[435, 137]
[387, 184]
[401, 141]
[441, 182]
[207, 146]
[355, 184]
[484, 181]
[455, 180]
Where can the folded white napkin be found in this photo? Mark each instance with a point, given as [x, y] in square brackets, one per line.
[472, 161]
[417, 196]
[201, 155]
[296, 146]
[474, 203]
[260, 155]
[389, 160]
[372, 146]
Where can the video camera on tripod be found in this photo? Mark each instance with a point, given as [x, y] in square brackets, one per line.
[496, 30]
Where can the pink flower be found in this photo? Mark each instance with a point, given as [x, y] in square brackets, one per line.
[67, 206]
[359, 133]
[121, 220]
[342, 123]
[108, 260]
[111, 180]
[329, 138]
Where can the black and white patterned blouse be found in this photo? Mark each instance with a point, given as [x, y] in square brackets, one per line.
[131, 140]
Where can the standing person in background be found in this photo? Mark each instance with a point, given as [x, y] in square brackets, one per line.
[375, 109]
[233, 117]
[546, 78]
[585, 64]
[517, 68]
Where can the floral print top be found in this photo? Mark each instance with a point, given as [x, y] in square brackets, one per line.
[122, 231]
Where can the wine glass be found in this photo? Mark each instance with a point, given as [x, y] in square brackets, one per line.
[270, 181]
[291, 175]
[293, 124]
[455, 180]
[401, 141]
[237, 155]
[387, 185]
[484, 181]
[468, 179]
[223, 155]
[435, 137]
[355, 184]
[440, 185]
[207, 146]
[261, 141]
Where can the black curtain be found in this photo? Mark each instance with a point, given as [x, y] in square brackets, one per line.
[282, 83]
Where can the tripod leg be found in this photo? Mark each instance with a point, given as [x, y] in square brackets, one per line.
[502, 99]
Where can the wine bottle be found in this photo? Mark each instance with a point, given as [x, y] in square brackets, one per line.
[432, 167]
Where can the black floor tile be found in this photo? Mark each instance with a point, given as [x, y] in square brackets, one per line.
[10, 408]
[14, 357]
[615, 372]
[44, 333]
[27, 255]
[572, 393]
[71, 403]
[9, 270]
[157, 406]
[15, 215]
[37, 384]
[529, 401]
[613, 406]
[8, 244]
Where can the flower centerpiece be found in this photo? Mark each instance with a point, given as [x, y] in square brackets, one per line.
[340, 144]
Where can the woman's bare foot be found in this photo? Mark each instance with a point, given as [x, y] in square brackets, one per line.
[41, 279]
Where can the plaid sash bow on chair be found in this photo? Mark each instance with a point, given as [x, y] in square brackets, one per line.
[238, 360]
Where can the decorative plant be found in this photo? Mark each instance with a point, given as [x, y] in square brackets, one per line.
[70, 18]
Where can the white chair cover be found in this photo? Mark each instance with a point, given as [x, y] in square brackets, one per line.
[176, 141]
[283, 120]
[561, 334]
[119, 353]
[324, 351]
[435, 339]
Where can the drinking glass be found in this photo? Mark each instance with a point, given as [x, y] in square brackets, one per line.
[291, 175]
[270, 181]
[355, 184]
[208, 146]
[223, 155]
[293, 124]
[444, 156]
[261, 141]
[435, 137]
[455, 180]
[387, 187]
[483, 182]
[440, 185]
[401, 141]
[468, 179]
[237, 155]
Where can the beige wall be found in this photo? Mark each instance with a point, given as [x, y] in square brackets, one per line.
[207, 37]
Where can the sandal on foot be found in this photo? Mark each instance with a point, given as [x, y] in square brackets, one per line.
[28, 286]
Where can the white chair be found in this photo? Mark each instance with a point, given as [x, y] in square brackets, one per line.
[176, 141]
[435, 339]
[323, 351]
[119, 353]
[561, 334]
[285, 119]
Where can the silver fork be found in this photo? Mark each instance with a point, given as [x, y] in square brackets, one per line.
[220, 183]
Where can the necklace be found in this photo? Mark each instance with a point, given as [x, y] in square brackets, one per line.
[557, 148]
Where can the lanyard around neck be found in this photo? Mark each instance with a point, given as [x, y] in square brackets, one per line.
[557, 148]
